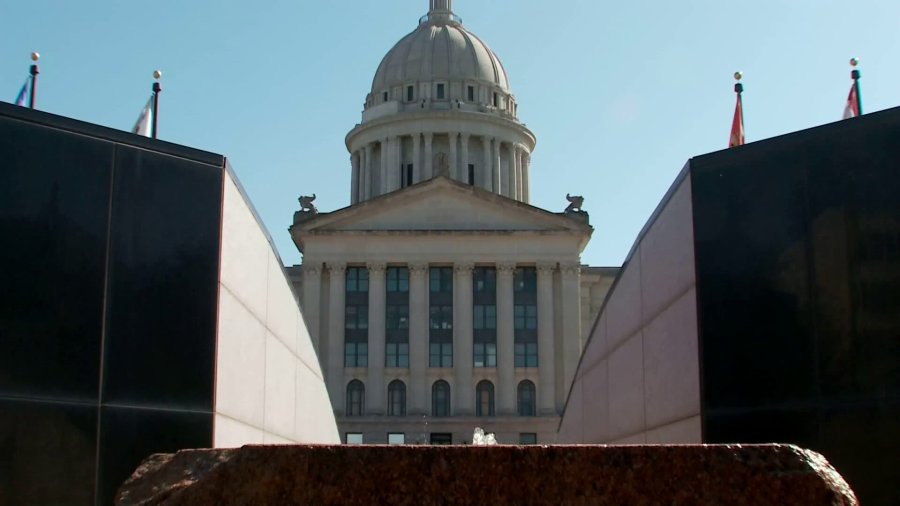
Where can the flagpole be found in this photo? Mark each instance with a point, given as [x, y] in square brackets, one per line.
[34, 73]
[856, 75]
[156, 89]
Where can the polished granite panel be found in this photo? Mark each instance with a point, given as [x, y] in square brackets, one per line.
[128, 436]
[53, 221]
[47, 453]
[164, 259]
[798, 280]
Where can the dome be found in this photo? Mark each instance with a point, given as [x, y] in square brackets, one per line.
[440, 49]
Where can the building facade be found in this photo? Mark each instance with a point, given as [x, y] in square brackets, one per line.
[440, 300]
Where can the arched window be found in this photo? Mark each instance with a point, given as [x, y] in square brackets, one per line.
[397, 398]
[525, 398]
[484, 398]
[440, 398]
[356, 398]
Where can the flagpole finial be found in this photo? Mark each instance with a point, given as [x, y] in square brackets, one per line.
[854, 61]
[35, 56]
[157, 74]
[738, 75]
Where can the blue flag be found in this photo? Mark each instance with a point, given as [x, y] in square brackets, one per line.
[20, 99]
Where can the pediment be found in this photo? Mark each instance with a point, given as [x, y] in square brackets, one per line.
[442, 205]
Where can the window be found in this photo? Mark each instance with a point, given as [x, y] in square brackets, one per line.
[440, 355]
[397, 317]
[484, 354]
[496, 100]
[470, 93]
[384, 96]
[484, 280]
[441, 438]
[356, 317]
[410, 93]
[353, 438]
[441, 279]
[396, 355]
[441, 317]
[472, 174]
[396, 438]
[356, 354]
[525, 398]
[525, 280]
[525, 317]
[527, 438]
[397, 398]
[484, 399]
[357, 279]
[440, 398]
[484, 317]
[397, 279]
[526, 354]
[356, 398]
[440, 91]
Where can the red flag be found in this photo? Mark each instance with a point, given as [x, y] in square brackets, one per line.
[737, 126]
[851, 110]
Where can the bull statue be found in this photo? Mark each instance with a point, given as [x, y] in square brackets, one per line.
[306, 204]
[575, 203]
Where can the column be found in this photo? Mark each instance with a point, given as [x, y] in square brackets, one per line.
[464, 165]
[511, 170]
[368, 178]
[506, 378]
[417, 158]
[335, 371]
[504, 172]
[418, 338]
[383, 172]
[496, 171]
[312, 286]
[571, 327]
[519, 153]
[393, 167]
[487, 179]
[377, 301]
[546, 390]
[354, 178]
[454, 161]
[526, 171]
[429, 157]
[462, 340]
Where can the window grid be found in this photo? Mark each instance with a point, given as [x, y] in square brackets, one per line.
[356, 398]
[440, 399]
[484, 355]
[484, 399]
[397, 280]
[356, 354]
[525, 398]
[397, 398]
[396, 355]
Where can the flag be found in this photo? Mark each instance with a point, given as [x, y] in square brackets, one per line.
[737, 125]
[851, 110]
[23, 93]
[145, 120]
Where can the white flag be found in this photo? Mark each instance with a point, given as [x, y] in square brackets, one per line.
[145, 120]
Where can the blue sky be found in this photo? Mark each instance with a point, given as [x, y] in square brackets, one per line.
[619, 94]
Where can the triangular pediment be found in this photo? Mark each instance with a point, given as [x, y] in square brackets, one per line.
[441, 205]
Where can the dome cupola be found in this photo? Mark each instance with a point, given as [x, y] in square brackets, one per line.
[440, 105]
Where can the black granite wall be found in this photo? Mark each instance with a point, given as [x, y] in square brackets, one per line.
[798, 280]
[108, 294]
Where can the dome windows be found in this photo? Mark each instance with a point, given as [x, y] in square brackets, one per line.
[440, 91]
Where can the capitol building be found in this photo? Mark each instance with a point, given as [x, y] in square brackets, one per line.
[440, 300]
